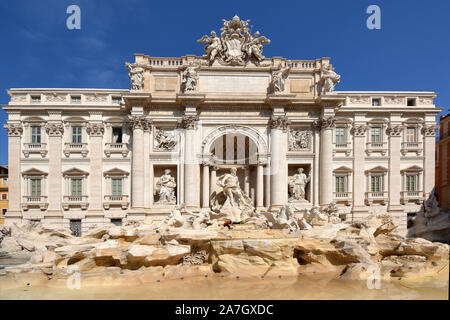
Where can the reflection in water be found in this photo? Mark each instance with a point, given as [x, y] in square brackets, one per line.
[311, 287]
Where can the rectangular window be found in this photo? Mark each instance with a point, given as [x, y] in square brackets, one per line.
[376, 102]
[35, 187]
[117, 135]
[376, 183]
[116, 186]
[75, 99]
[4, 196]
[341, 183]
[76, 135]
[340, 135]
[116, 100]
[76, 187]
[35, 134]
[75, 227]
[36, 99]
[411, 182]
[4, 212]
[411, 134]
[411, 102]
[376, 134]
[5, 181]
[117, 222]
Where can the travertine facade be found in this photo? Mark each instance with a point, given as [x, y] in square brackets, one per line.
[96, 156]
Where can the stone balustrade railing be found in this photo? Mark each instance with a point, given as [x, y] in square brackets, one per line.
[377, 196]
[411, 196]
[111, 148]
[75, 201]
[71, 147]
[113, 200]
[29, 148]
[411, 147]
[34, 201]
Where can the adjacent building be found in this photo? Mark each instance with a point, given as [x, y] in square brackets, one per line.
[443, 163]
[84, 157]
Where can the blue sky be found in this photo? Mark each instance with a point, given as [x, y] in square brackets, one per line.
[410, 52]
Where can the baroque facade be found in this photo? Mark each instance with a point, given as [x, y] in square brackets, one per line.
[84, 157]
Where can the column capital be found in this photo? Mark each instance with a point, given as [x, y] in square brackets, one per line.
[430, 130]
[359, 131]
[324, 123]
[139, 122]
[188, 122]
[394, 130]
[54, 129]
[95, 129]
[14, 130]
[279, 122]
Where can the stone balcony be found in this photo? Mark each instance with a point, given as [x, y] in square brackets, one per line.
[116, 200]
[40, 148]
[34, 202]
[372, 147]
[75, 148]
[342, 147]
[343, 197]
[380, 197]
[75, 201]
[411, 196]
[411, 147]
[121, 148]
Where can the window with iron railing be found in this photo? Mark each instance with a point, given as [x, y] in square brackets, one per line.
[76, 135]
[35, 134]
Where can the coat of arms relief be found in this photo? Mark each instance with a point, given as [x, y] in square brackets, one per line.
[235, 46]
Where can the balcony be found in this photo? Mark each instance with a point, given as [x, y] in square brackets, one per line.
[34, 202]
[344, 197]
[121, 148]
[411, 196]
[40, 148]
[116, 200]
[75, 148]
[342, 147]
[411, 147]
[381, 197]
[376, 147]
[75, 201]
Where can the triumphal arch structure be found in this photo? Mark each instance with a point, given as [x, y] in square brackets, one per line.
[96, 156]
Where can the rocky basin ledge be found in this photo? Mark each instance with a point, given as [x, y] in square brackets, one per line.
[146, 253]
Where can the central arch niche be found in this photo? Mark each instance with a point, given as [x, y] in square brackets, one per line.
[235, 146]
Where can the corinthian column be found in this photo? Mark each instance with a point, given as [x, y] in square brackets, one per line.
[326, 126]
[14, 145]
[259, 185]
[95, 131]
[278, 163]
[359, 186]
[138, 124]
[55, 131]
[191, 166]
[205, 185]
[429, 136]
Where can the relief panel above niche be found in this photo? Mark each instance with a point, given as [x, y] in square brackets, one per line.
[166, 84]
[233, 83]
[300, 85]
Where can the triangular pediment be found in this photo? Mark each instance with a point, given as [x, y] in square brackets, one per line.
[116, 172]
[34, 172]
[412, 169]
[377, 169]
[343, 169]
[75, 172]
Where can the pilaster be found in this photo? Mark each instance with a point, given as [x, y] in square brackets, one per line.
[95, 130]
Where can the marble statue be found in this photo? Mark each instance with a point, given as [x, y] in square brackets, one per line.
[230, 184]
[314, 217]
[164, 141]
[199, 220]
[331, 211]
[189, 78]
[213, 46]
[175, 219]
[166, 187]
[136, 75]
[299, 139]
[278, 79]
[297, 185]
[236, 46]
[285, 219]
[329, 79]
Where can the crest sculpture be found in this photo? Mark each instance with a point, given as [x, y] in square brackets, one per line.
[236, 46]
